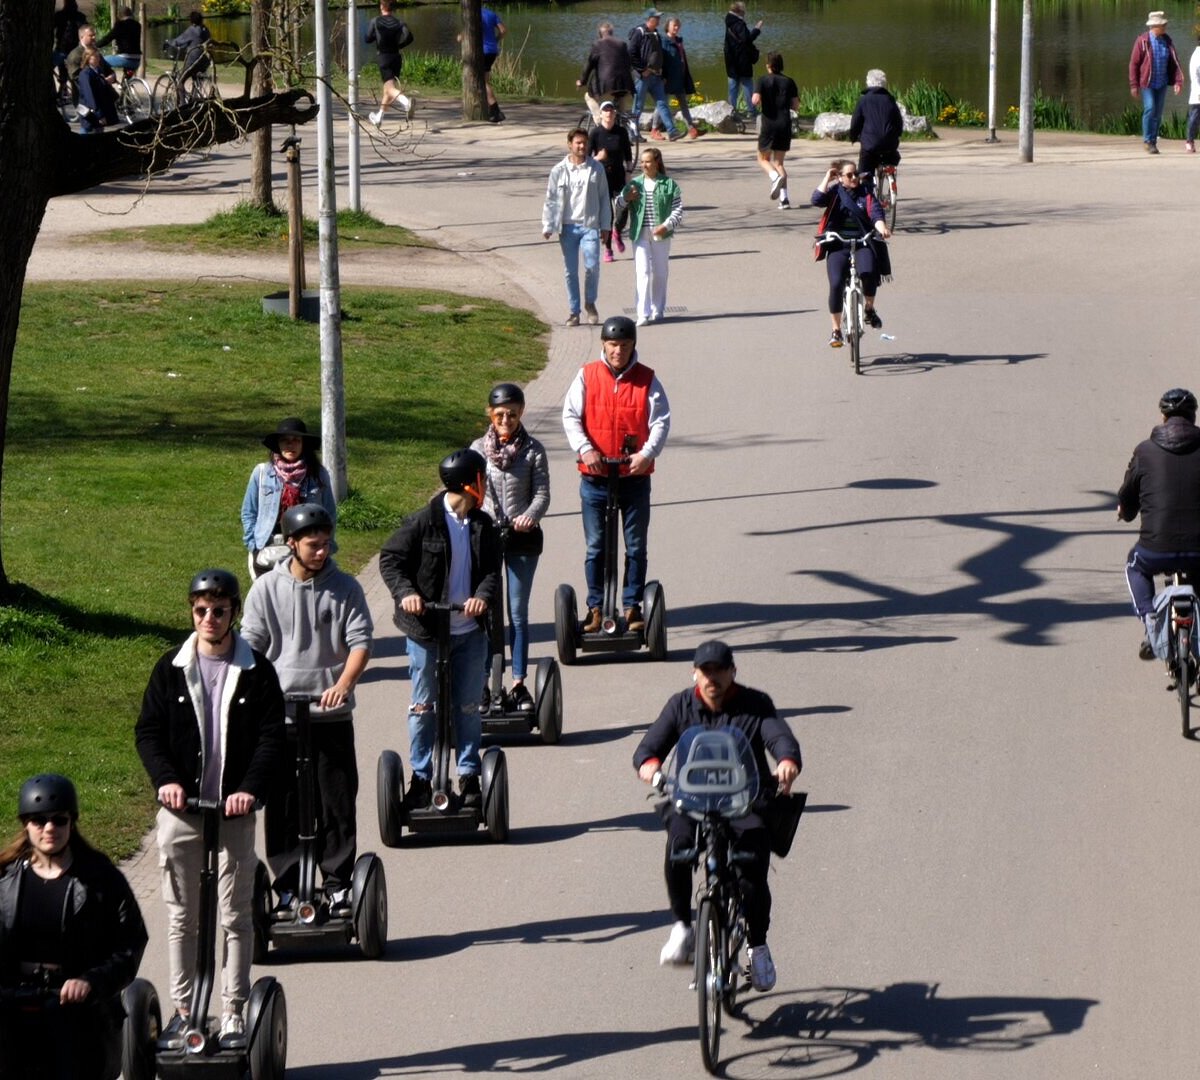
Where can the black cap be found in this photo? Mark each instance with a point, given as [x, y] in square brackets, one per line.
[713, 652]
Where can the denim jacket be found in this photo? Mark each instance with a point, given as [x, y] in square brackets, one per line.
[264, 493]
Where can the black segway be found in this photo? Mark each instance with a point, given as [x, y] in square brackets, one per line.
[501, 718]
[263, 1051]
[310, 921]
[446, 813]
[614, 635]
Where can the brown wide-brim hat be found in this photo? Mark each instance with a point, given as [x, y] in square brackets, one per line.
[292, 425]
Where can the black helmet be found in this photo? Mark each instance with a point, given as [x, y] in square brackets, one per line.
[618, 328]
[461, 470]
[1178, 402]
[217, 582]
[47, 793]
[306, 516]
[506, 393]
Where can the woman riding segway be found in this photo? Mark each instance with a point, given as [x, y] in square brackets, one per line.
[71, 939]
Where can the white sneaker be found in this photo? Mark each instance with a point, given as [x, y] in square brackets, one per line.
[406, 103]
[762, 969]
[233, 1031]
[777, 183]
[376, 118]
[679, 947]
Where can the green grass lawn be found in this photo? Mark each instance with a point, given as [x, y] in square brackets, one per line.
[135, 419]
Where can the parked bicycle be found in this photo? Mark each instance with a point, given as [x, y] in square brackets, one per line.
[185, 83]
[887, 193]
[134, 97]
[854, 300]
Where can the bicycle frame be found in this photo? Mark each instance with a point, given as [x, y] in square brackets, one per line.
[854, 300]
[1181, 646]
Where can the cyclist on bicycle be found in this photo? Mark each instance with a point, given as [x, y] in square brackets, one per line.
[192, 45]
[1162, 484]
[876, 126]
[126, 35]
[717, 700]
[608, 73]
[850, 210]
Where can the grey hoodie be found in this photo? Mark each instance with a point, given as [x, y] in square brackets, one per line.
[308, 629]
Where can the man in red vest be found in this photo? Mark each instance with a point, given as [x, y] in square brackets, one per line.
[610, 400]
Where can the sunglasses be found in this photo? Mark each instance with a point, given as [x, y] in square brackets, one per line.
[59, 821]
[202, 612]
[848, 175]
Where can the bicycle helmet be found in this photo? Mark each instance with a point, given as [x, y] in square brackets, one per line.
[463, 471]
[1178, 402]
[47, 793]
[619, 328]
[305, 518]
[218, 583]
[506, 393]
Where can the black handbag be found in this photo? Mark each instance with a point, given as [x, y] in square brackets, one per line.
[782, 817]
[515, 542]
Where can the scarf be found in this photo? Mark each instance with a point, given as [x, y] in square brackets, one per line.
[502, 455]
[293, 477]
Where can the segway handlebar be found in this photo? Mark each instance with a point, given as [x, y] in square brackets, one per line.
[199, 806]
[301, 699]
[443, 607]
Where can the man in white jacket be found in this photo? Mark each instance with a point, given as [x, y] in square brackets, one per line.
[312, 622]
[578, 207]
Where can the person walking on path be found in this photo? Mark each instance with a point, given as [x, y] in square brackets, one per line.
[656, 210]
[211, 727]
[608, 73]
[1193, 120]
[493, 30]
[579, 209]
[389, 35]
[677, 74]
[1153, 66]
[876, 126]
[741, 54]
[608, 143]
[646, 52]
[311, 620]
[610, 401]
[776, 95]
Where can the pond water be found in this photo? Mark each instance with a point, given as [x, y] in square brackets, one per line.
[1081, 47]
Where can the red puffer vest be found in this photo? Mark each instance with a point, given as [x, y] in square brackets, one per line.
[615, 407]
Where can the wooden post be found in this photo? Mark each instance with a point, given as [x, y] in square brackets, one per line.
[291, 147]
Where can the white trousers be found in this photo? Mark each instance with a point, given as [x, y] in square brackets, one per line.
[650, 261]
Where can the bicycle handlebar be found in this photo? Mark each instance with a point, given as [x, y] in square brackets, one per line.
[829, 234]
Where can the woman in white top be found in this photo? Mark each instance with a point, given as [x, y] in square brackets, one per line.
[1193, 120]
[656, 209]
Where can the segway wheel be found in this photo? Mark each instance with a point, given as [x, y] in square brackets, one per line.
[566, 624]
[547, 697]
[655, 606]
[266, 1015]
[495, 799]
[389, 797]
[370, 906]
[262, 913]
[139, 1033]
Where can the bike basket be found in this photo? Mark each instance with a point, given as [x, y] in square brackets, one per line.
[713, 771]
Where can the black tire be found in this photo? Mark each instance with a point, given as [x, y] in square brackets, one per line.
[139, 1033]
[655, 606]
[165, 97]
[566, 624]
[389, 798]
[850, 318]
[134, 102]
[371, 914]
[709, 963]
[268, 1033]
[495, 802]
[261, 915]
[1183, 671]
[731, 947]
[548, 700]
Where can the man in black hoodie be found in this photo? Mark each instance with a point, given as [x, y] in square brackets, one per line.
[877, 126]
[1162, 483]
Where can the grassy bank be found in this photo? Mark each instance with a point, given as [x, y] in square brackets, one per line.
[135, 420]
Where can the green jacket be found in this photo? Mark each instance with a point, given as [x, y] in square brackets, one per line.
[668, 205]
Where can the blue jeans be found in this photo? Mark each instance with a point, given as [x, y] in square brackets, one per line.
[519, 583]
[1143, 564]
[746, 85]
[634, 499]
[657, 89]
[467, 652]
[573, 239]
[1152, 110]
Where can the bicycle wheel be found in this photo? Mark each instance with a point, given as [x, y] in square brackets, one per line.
[709, 977]
[852, 305]
[165, 98]
[1183, 665]
[735, 937]
[885, 192]
[134, 103]
[635, 135]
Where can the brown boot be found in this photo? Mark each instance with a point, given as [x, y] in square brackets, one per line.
[633, 618]
[592, 625]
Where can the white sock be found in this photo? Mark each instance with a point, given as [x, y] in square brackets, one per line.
[404, 102]
[774, 176]
[783, 194]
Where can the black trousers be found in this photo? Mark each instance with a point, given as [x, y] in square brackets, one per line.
[336, 774]
[62, 1042]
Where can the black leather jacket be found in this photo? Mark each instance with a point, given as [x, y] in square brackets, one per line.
[1162, 484]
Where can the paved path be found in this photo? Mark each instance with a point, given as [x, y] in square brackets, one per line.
[921, 564]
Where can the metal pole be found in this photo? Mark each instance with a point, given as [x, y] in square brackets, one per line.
[352, 100]
[992, 75]
[333, 394]
[1027, 82]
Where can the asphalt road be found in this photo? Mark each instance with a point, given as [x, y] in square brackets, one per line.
[922, 566]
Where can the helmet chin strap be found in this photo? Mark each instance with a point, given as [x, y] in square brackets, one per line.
[475, 490]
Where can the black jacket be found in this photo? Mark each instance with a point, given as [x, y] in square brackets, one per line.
[416, 559]
[168, 730]
[646, 50]
[102, 928]
[126, 34]
[878, 125]
[609, 68]
[1162, 484]
[389, 35]
[741, 54]
[752, 711]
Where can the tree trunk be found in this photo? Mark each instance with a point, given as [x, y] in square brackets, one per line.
[474, 92]
[260, 142]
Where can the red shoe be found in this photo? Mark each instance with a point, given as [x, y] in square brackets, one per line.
[620, 242]
[656, 134]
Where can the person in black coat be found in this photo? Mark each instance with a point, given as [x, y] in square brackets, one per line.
[608, 73]
[70, 927]
[717, 700]
[876, 126]
[741, 54]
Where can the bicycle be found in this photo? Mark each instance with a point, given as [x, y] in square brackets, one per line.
[713, 779]
[854, 300]
[134, 97]
[887, 193]
[1180, 597]
[184, 84]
